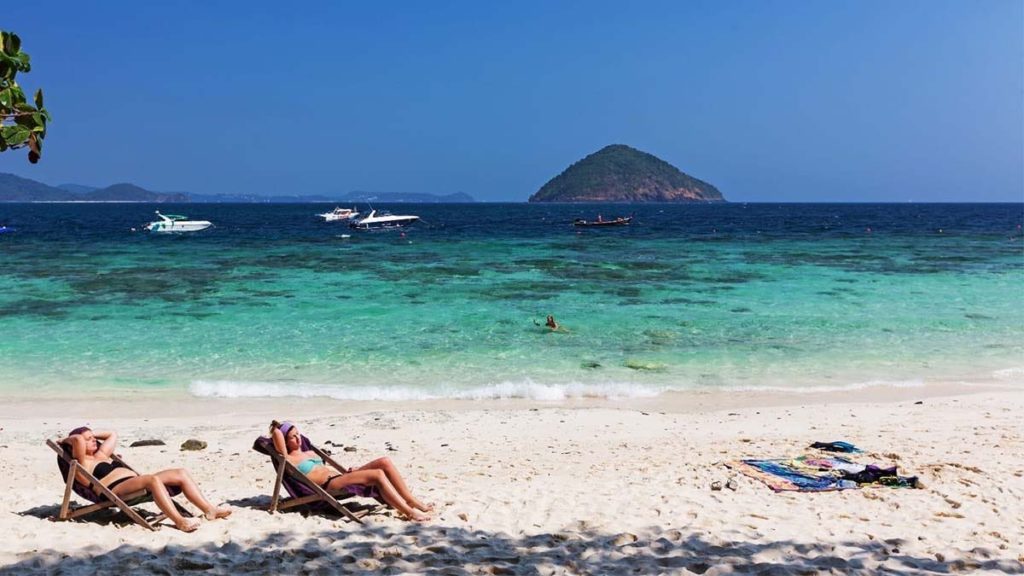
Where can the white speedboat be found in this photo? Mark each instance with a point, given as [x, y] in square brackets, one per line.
[339, 214]
[383, 221]
[174, 223]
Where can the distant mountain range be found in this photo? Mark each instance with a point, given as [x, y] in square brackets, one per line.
[17, 189]
[619, 173]
[384, 197]
[417, 197]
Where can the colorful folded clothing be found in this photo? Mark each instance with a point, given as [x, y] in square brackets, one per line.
[839, 446]
[860, 473]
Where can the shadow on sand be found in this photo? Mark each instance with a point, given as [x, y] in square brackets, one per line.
[432, 549]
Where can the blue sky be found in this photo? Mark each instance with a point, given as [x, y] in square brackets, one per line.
[770, 101]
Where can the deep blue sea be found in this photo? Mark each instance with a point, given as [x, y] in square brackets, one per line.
[272, 301]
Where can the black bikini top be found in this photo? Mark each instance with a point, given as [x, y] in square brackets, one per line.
[103, 469]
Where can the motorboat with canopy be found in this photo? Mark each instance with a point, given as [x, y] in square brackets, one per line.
[383, 221]
[173, 223]
[339, 214]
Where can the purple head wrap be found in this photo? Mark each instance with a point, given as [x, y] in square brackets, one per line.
[285, 427]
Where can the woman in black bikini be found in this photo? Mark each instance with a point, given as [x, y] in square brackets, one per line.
[381, 473]
[96, 458]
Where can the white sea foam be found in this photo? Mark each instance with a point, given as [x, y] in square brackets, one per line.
[821, 389]
[1009, 374]
[237, 389]
[535, 391]
[526, 389]
[522, 389]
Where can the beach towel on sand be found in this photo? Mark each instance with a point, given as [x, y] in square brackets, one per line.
[817, 474]
[790, 476]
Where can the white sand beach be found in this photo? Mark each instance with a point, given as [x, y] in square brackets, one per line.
[588, 487]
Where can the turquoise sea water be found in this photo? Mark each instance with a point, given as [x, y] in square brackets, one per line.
[274, 302]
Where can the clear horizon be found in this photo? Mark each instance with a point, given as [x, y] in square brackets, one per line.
[768, 101]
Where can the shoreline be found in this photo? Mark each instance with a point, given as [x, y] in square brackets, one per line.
[143, 403]
[525, 393]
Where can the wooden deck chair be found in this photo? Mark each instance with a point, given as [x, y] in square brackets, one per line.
[101, 496]
[303, 491]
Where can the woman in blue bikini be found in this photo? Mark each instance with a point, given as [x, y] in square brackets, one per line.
[94, 456]
[381, 473]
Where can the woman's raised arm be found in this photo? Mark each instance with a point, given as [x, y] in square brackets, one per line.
[108, 444]
[279, 442]
[77, 443]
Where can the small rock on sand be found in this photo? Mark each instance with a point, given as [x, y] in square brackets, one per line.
[193, 444]
[138, 443]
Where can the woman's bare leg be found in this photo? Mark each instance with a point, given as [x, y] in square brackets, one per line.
[180, 477]
[160, 497]
[388, 467]
[379, 479]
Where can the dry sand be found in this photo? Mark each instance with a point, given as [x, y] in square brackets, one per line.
[595, 487]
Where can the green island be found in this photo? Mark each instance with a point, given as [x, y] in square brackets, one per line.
[619, 173]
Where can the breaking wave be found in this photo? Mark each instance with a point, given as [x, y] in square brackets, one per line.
[524, 389]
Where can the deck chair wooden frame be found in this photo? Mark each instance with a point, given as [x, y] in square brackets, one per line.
[124, 504]
[329, 498]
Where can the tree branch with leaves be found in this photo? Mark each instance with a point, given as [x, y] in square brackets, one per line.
[22, 124]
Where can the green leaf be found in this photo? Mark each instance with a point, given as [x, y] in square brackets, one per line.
[34, 122]
[21, 135]
[39, 98]
[6, 98]
[12, 44]
[15, 135]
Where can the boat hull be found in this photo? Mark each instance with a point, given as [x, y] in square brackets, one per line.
[603, 223]
[334, 218]
[383, 224]
[383, 221]
[178, 226]
[339, 215]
